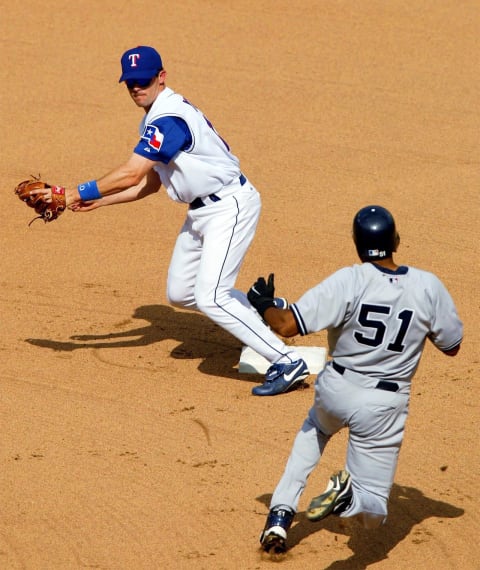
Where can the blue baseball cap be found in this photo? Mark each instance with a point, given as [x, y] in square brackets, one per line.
[142, 63]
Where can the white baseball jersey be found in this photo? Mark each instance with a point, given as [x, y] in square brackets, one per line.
[192, 159]
[196, 167]
[378, 319]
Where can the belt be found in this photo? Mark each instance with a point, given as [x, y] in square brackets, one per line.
[382, 384]
[199, 203]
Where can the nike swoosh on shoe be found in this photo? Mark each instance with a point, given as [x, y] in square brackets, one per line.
[290, 375]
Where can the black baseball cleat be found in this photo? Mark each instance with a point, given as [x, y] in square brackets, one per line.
[274, 536]
[336, 498]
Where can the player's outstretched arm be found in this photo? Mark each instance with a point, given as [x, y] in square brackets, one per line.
[122, 178]
[281, 321]
[261, 296]
[149, 185]
[131, 181]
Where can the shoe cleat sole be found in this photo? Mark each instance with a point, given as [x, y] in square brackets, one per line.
[274, 544]
[323, 505]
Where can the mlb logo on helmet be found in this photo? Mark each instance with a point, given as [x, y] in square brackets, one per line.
[376, 253]
[141, 63]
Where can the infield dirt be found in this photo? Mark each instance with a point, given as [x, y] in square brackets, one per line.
[129, 440]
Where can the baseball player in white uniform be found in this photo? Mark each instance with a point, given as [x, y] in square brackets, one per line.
[378, 316]
[180, 149]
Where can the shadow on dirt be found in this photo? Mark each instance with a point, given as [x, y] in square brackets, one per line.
[408, 507]
[199, 338]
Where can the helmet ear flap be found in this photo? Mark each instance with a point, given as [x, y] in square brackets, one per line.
[397, 241]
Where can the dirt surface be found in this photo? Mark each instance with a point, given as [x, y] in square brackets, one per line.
[128, 438]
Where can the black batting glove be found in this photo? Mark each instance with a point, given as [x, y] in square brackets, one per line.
[261, 294]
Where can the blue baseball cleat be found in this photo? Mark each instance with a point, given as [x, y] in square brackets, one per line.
[281, 378]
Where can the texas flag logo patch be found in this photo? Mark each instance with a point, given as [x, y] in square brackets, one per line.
[153, 136]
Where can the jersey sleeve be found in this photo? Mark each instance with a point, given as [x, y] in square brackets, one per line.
[326, 305]
[446, 327]
[163, 138]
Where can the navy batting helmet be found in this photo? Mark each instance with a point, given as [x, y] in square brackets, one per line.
[374, 233]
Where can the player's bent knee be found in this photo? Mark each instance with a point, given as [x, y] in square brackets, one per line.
[178, 297]
[371, 521]
[205, 301]
[176, 303]
[206, 307]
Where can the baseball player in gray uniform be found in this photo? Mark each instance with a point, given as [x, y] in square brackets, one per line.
[378, 316]
[180, 149]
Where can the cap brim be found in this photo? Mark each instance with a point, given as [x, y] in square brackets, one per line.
[140, 75]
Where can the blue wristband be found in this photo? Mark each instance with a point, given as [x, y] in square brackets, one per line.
[89, 191]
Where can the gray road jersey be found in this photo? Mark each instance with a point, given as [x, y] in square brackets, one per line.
[378, 320]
